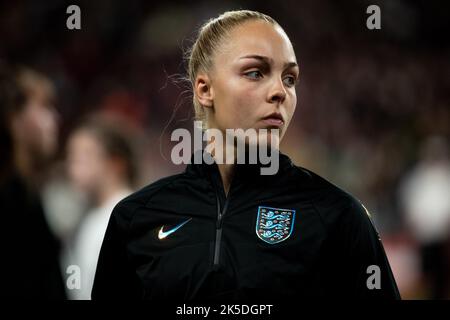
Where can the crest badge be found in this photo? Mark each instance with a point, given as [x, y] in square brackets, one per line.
[274, 225]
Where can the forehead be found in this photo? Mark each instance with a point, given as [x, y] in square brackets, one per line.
[258, 38]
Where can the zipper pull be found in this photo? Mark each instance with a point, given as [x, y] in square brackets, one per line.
[219, 221]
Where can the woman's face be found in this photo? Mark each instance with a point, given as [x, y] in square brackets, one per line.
[36, 126]
[254, 75]
[87, 161]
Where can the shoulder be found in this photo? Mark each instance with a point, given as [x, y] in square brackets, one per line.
[332, 203]
[125, 209]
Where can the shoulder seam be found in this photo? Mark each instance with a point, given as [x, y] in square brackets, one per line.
[174, 178]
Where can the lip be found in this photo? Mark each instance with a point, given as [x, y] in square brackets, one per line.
[274, 119]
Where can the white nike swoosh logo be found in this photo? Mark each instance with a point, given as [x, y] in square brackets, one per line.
[163, 234]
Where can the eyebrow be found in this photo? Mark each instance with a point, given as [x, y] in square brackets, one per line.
[269, 60]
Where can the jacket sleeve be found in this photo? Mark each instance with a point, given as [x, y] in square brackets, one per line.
[366, 270]
[115, 276]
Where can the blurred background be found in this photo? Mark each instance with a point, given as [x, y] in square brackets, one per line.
[98, 106]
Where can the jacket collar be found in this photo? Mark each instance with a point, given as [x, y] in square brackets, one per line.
[243, 171]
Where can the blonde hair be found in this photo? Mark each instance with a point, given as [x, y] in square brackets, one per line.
[209, 39]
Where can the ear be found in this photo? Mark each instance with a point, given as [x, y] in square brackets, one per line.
[203, 90]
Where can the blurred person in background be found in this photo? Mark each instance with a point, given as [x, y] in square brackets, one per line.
[101, 165]
[425, 195]
[28, 140]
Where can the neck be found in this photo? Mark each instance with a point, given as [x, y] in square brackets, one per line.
[226, 173]
[109, 189]
[226, 170]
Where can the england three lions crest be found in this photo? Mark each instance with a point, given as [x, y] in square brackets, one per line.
[274, 225]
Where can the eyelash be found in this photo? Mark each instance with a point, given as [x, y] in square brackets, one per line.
[294, 81]
[253, 71]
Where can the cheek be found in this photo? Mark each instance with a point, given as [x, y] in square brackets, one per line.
[40, 126]
[85, 166]
[291, 106]
[84, 173]
[294, 104]
[237, 105]
[29, 123]
[245, 103]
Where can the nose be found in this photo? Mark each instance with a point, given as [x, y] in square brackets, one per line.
[277, 93]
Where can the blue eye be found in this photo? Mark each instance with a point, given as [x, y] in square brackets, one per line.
[292, 81]
[254, 74]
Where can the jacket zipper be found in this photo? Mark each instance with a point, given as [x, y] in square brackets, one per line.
[220, 214]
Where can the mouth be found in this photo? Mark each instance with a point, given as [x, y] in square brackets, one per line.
[274, 119]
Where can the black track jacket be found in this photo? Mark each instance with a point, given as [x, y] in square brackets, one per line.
[292, 234]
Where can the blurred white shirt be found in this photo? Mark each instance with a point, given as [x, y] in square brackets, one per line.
[426, 200]
[88, 242]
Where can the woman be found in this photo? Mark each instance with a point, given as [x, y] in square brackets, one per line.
[225, 231]
[28, 129]
[101, 163]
